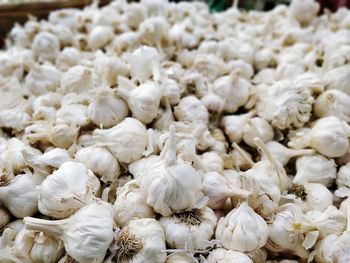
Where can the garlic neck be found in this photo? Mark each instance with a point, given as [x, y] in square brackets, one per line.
[53, 228]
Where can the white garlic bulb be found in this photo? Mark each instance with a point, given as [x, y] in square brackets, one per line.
[315, 169]
[212, 162]
[180, 257]
[304, 10]
[190, 229]
[86, 234]
[77, 79]
[338, 78]
[101, 161]
[143, 101]
[282, 237]
[5, 217]
[20, 195]
[221, 255]
[233, 126]
[191, 109]
[343, 176]
[108, 69]
[242, 230]
[171, 186]
[257, 127]
[68, 57]
[165, 119]
[213, 102]
[141, 241]
[73, 115]
[130, 204]
[99, 37]
[127, 140]
[106, 110]
[66, 190]
[46, 46]
[171, 90]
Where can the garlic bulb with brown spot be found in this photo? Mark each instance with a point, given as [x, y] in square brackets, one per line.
[190, 229]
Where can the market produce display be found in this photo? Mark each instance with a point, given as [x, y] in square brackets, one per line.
[158, 132]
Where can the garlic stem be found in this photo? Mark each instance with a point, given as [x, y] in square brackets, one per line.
[53, 228]
[301, 152]
[243, 154]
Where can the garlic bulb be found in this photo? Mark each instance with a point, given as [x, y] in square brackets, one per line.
[101, 161]
[332, 103]
[315, 169]
[143, 101]
[99, 37]
[234, 124]
[283, 154]
[329, 136]
[304, 10]
[130, 204]
[218, 189]
[38, 247]
[212, 162]
[5, 217]
[66, 190]
[165, 119]
[242, 230]
[46, 46]
[73, 115]
[257, 127]
[190, 229]
[171, 186]
[20, 195]
[109, 69]
[191, 109]
[343, 176]
[141, 240]
[171, 90]
[180, 257]
[233, 89]
[127, 140]
[86, 234]
[106, 110]
[77, 79]
[68, 57]
[282, 237]
[42, 79]
[213, 102]
[338, 78]
[221, 255]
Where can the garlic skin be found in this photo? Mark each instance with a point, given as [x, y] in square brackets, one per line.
[191, 229]
[242, 230]
[95, 229]
[233, 89]
[130, 204]
[282, 237]
[233, 126]
[20, 195]
[127, 140]
[46, 46]
[101, 161]
[141, 241]
[343, 176]
[332, 103]
[180, 257]
[220, 255]
[338, 78]
[66, 190]
[42, 79]
[315, 169]
[191, 109]
[38, 247]
[257, 127]
[76, 79]
[5, 217]
[143, 101]
[99, 37]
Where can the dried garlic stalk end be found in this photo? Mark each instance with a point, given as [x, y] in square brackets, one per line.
[193, 217]
[128, 245]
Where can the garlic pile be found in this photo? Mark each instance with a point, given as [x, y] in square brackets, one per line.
[157, 132]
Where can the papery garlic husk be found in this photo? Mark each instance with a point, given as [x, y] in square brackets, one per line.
[190, 229]
[20, 195]
[86, 235]
[130, 204]
[99, 37]
[329, 136]
[77, 79]
[332, 102]
[283, 154]
[7, 254]
[143, 101]
[242, 230]
[191, 109]
[46, 46]
[338, 78]
[107, 110]
[170, 186]
[52, 158]
[67, 189]
[42, 79]
[5, 217]
[109, 69]
[343, 176]
[257, 127]
[233, 89]
[38, 247]
[217, 189]
[313, 196]
[315, 169]
[181, 257]
[141, 241]
[101, 161]
[221, 255]
[282, 237]
[234, 124]
[127, 140]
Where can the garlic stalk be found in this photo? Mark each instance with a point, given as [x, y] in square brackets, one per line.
[95, 229]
